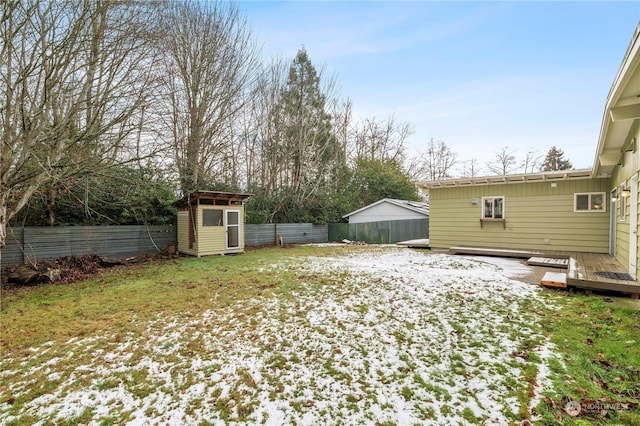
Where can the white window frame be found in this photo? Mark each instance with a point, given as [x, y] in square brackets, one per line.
[220, 219]
[589, 203]
[622, 205]
[229, 226]
[493, 210]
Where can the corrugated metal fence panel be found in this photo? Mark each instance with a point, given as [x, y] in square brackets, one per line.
[295, 233]
[41, 243]
[258, 235]
[291, 233]
[157, 236]
[12, 253]
[320, 233]
[47, 243]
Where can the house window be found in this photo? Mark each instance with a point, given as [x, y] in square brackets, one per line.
[589, 202]
[622, 202]
[211, 217]
[493, 207]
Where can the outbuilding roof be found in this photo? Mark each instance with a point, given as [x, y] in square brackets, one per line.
[416, 206]
[197, 196]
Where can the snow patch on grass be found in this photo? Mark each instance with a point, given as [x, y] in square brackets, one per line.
[388, 335]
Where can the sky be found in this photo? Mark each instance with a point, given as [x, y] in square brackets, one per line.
[480, 76]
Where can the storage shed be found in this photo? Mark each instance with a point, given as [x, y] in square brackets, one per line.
[211, 222]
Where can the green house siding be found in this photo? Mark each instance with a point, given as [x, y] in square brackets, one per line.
[621, 176]
[537, 217]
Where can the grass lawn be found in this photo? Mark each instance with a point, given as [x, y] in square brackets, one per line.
[315, 335]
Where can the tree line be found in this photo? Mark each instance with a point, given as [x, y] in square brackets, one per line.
[110, 110]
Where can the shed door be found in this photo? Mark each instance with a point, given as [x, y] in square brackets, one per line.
[233, 229]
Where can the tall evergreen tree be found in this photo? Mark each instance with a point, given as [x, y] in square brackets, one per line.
[555, 161]
[305, 125]
[310, 156]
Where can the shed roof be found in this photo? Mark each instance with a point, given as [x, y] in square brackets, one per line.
[416, 206]
[195, 197]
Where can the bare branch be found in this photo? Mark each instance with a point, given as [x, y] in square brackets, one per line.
[74, 78]
[504, 163]
[434, 163]
[209, 63]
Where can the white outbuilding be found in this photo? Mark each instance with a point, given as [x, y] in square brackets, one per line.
[389, 209]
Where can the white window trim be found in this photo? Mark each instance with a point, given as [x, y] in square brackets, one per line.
[622, 206]
[504, 208]
[589, 210]
[220, 223]
[227, 226]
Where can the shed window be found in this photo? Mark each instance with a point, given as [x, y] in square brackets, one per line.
[211, 217]
[589, 202]
[493, 207]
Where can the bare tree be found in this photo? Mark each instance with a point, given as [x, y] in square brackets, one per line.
[209, 62]
[380, 140]
[531, 161]
[434, 163]
[270, 131]
[259, 143]
[342, 116]
[504, 163]
[471, 168]
[74, 79]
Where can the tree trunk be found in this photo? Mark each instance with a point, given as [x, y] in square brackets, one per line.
[52, 196]
[3, 229]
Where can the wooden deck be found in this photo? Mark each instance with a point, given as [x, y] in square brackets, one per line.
[582, 274]
[520, 254]
[581, 271]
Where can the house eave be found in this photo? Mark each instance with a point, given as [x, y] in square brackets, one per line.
[510, 179]
[622, 109]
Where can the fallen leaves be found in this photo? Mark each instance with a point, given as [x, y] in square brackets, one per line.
[520, 354]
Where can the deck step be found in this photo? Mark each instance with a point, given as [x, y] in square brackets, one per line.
[483, 251]
[554, 279]
[550, 262]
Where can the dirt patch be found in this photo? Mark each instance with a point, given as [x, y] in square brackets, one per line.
[71, 269]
